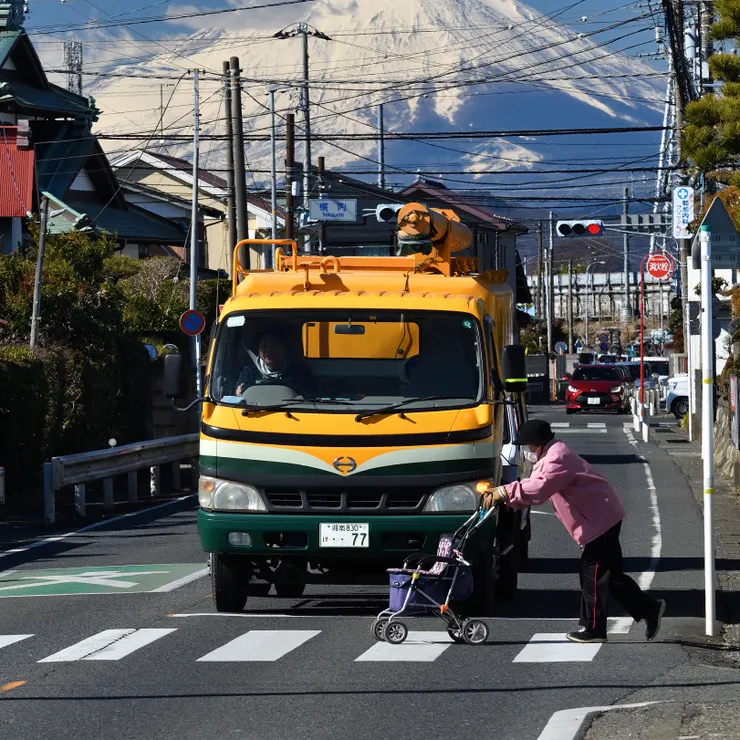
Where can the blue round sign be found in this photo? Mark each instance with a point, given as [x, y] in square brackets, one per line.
[604, 346]
[561, 348]
[192, 322]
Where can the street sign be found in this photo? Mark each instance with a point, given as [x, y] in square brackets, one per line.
[192, 322]
[683, 211]
[561, 348]
[330, 209]
[725, 244]
[660, 266]
[603, 337]
[97, 580]
[604, 346]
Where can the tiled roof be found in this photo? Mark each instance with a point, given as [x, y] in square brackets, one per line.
[183, 165]
[30, 99]
[16, 176]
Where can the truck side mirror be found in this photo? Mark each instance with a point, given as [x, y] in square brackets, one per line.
[515, 369]
[173, 380]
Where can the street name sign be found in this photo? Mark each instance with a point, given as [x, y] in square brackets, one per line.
[725, 243]
[683, 211]
[329, 209]
[660, 266]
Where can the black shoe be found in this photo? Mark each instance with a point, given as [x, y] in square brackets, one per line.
[584, 635]
[652, 623]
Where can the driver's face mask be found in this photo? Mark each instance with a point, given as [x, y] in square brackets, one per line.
[531, 455]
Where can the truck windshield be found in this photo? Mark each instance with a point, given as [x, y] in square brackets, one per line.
[351, 361]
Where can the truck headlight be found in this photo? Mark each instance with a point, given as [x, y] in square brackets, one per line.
[224, 495]
[459, 497]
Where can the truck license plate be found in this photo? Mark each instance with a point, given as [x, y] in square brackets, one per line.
[344, 535]
[594, 401]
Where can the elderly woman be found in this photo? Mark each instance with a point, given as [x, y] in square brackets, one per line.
[589, 508]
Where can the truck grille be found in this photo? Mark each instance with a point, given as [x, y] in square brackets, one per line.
[396, 500]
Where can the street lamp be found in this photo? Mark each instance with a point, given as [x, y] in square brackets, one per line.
[588, 269]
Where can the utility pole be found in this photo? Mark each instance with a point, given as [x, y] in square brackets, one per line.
[570, 305]
[289, 174]
[381, 148]
[627, 312]
[273, 164]
[540, 273]
[322, 225]
[230, 202]
[240, 181]
[194, 252]
[36, 312]
[306, 106]
[549, 289]
[707, 48]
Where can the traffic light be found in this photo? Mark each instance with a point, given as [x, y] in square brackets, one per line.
[386, 212]
[580, 228]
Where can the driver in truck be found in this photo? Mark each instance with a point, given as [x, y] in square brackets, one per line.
[272, 364]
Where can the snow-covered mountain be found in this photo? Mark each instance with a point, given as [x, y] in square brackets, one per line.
[446, 65]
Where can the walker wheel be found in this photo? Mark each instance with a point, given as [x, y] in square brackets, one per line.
[395, 632]
[474, 631]
[376, 628]
[456, 634]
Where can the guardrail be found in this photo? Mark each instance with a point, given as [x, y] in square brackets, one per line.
[87, 467]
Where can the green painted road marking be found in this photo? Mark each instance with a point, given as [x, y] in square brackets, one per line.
[103, 580]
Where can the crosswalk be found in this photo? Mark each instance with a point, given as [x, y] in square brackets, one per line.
[565, 427]
[260, 646]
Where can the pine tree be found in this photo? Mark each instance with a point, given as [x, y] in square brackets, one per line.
[711, 138]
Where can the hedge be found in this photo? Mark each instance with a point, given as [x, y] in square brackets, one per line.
[60, 401]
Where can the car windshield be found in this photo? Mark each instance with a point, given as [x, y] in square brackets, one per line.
[596, 373]
[634, 371]
[347, 360]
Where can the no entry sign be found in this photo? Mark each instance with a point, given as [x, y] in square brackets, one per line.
[660, 266]
[192, 322]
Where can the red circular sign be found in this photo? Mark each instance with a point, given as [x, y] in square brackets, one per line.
[660, 266]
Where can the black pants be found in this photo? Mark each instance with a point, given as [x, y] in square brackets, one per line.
[601, 575]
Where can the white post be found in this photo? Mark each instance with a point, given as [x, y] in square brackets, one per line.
[707, 430]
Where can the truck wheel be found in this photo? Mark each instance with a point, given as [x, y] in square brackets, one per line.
[508, 574]
[230, 581]
[482, 603]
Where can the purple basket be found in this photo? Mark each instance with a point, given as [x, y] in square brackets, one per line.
[436, 588]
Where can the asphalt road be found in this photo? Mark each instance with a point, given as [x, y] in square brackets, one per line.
[137, 662]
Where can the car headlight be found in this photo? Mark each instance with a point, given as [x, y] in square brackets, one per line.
[224, 495]
[616, 389]
[460, 497]
[571, 389]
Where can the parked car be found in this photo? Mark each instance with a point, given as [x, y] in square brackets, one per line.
[627, 376]
[656, 369]
[597, 388]
[677, 400]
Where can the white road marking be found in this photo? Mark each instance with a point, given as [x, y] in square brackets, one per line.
[6, 640]
[560, 425]
[582, 430]
[419, 647]
[596, 425]
[108, 645]
[553, 647]
[565, 724]
[96, 525]
[181, 582]
[620, 625]
[259, 646]
[646, 577]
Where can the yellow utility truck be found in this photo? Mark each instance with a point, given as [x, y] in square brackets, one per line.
[351, 407]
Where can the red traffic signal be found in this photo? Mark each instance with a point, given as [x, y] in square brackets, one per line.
[580, 228]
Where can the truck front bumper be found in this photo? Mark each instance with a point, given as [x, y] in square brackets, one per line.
[297, 535]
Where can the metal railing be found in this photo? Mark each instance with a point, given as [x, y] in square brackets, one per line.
[87, 467]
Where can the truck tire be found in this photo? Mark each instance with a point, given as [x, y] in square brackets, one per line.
[508, 575]
[290, 580]
[230, 582]
[485, 572]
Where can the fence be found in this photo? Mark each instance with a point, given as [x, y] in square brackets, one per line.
[88, 467]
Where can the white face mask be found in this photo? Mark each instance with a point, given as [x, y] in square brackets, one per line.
[531, 456]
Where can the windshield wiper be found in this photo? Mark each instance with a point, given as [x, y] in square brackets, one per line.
[253, 409]
[388, 409]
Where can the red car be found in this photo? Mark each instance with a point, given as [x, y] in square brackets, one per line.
[597, 388]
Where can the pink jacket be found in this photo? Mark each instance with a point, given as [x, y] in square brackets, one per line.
[584, 501]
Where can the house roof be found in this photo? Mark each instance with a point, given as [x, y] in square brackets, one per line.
[467, 204]
[154, 194]
[16, 175]
[132, 222]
